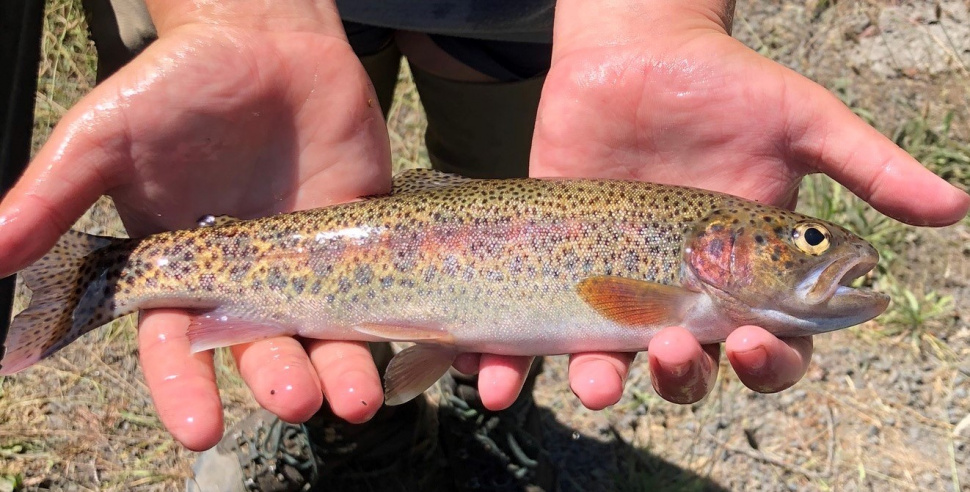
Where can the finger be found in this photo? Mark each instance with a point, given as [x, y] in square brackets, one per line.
[348, 377]
[766, 363]
[280, 376]
[839, 143]
[682, 371]
[63, 180]
[596, 378]
[182, 384]
[500, 379]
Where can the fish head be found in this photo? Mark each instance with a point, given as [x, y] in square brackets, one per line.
[781, 270]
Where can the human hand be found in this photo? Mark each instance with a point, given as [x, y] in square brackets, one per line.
[663, 93]
[243, 112]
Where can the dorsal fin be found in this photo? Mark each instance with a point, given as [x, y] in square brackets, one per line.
[414, 180]
[215, 220]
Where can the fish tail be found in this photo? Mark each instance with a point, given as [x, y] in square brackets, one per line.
[66, 302]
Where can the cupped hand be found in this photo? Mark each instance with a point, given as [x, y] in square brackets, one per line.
[213, 119]
[693, 106]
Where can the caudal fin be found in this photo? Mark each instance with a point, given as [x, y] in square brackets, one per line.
[63, 304]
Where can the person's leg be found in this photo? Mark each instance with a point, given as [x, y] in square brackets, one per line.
[380, 56]
[120, 30]
[481, 99]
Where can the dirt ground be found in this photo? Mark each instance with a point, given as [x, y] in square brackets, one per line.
[885, 406]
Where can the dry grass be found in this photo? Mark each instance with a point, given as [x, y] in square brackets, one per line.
[885, 406]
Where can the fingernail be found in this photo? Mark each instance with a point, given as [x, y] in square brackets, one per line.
[754, 360]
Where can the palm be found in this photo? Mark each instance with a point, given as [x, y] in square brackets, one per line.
[216, 120]
[710, 114]
[260, 136]
[699, 109]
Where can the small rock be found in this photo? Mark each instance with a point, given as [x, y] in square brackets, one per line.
[854, 24]
[914, 434]
[927, 479]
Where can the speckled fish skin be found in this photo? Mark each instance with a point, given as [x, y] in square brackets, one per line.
[518, 267]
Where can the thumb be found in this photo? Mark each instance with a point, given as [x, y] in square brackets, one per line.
[830, 138]
[68, 175]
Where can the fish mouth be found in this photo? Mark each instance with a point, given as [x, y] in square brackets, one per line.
[829, 286]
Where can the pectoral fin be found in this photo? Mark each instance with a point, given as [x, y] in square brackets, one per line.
[636, 302]
[414, 370]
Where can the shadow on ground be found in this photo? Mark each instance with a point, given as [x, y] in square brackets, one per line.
[586, 463]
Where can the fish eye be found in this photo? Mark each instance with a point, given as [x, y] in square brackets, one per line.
[811, 238]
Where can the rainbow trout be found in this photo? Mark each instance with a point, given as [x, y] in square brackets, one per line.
[516, 267]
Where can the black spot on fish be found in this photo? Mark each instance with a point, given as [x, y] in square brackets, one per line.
[207, 281]
[363, 274]
[276, 279]
[343, 285]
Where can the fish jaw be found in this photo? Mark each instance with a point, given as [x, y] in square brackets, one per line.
[837, 304]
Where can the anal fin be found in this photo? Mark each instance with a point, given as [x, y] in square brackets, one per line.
[414, 370]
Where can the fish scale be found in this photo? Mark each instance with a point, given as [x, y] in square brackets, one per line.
[517, 267]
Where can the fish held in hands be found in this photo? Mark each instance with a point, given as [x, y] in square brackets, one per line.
[514, 267]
